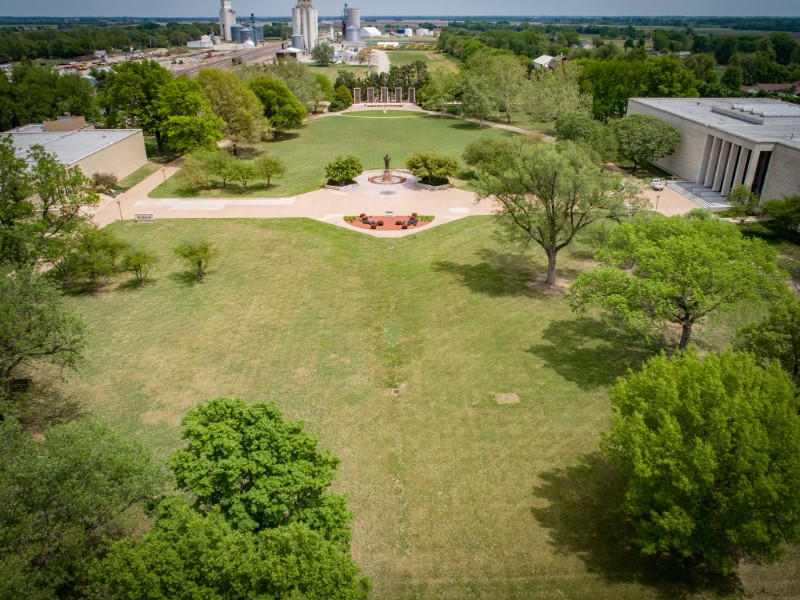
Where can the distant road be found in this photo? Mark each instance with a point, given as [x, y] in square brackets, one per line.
[249, 57]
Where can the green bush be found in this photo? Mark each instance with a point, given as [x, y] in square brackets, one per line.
[433, 168]
[343, 170]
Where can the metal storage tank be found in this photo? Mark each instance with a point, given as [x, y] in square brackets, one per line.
[236, 33]
[258, 33]
[354, 17]
[246, 35]
[298, 41]
[353, 34]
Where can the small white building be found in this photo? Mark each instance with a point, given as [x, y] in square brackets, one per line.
[204, 42]
[370, 32]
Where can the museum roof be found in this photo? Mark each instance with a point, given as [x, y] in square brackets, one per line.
[758, 120]
[69, 147]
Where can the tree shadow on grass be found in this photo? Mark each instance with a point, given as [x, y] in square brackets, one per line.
[43, 405]
[498, 274]
[187, 278]
[468, 125]
[590, 353]
[584, 518]
[501, 273]
[280, 136]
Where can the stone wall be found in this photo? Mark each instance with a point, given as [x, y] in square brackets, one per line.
[783, 175]
[120, 159]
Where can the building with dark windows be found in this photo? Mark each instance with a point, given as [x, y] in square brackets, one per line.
[730, 141]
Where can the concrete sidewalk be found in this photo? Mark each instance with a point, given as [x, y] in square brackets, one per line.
[329, 206]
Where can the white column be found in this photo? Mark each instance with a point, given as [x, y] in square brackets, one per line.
[701, 174]
[739, 177]
[750, 177]
[712, 163]
[729, 169]
[721, 163]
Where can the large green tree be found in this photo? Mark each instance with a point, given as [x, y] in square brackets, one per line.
[642, 138]
[35, 324]
[506, 76]
[613, 82]
[236, 105]
[60, 498]
[776, 336]
[582, 129]
[546, 193]
[189, 122]
[711, 452]
[190, 555]
[280, 106]
[258, 470]
[552, 93]
[662, 270]
[299, 79]
[130, 96]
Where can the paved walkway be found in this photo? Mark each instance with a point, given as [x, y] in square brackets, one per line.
[380, 61]
[329, 206]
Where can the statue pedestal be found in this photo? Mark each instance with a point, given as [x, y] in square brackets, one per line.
[387, 175]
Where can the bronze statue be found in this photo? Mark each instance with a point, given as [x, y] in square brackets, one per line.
[387, 160]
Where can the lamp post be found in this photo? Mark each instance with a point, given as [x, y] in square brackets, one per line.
[164, 174]
[657, 197]
[119, 206]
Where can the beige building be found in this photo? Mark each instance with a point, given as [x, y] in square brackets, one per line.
[116, 151]
[730, 141]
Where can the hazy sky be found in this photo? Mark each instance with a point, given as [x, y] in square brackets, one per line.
[181, 8]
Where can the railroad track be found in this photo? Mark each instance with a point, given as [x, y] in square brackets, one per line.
[248, 57]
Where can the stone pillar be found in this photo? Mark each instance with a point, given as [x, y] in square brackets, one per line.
[398, 95]
[412, 95]
[729, 169]
[722, 162]
[370, 95]
[384, 95]
[356, 95]
[712, 163]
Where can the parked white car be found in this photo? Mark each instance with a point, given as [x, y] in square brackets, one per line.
[657, 184]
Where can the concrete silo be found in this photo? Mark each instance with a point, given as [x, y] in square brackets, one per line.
[236, 33]
[354, 17]
[353, 33]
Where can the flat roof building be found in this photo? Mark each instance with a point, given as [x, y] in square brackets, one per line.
[730, 141]
[116, 151]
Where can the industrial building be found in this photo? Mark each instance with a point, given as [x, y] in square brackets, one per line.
[119, 152]
[729, 141]
[305, 24]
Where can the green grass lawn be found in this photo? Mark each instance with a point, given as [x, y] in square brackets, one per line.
[332, 71]
[138, 176]
[455, 495]
[307, 151]
[433, 60]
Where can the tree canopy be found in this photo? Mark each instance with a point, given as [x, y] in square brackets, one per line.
[189, 121]
[35, 324]
[642, 138]
[776, 336]
[236, 105]
[280, 106]
[59, 498]
[662, 270]
[258, 470]
[189, 555]
[130, 96]
[546, 193]
[711, 452]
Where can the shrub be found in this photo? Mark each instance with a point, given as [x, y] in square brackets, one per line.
[197, 255]
[343, 170]
[138, 262]
[432, 168]
[104, 182]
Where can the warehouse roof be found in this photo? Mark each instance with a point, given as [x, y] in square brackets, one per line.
[69, 147]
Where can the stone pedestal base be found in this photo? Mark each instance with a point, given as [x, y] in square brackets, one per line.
[387, 175]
